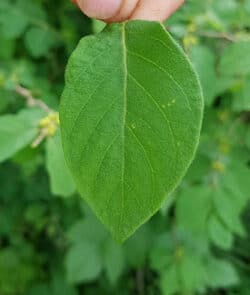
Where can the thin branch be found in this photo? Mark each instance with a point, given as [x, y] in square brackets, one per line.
[213, 34]
[43, 134]
[30, 100]
[226, 36]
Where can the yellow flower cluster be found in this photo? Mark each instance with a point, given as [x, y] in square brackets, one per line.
[50, 123]
[190, 39]
[218, 166]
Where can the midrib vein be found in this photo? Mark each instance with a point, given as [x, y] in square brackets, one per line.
[124, 49]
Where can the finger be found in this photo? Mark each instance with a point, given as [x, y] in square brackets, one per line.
[158, 10]
[101, 9]
[127, 8]
[120, 10]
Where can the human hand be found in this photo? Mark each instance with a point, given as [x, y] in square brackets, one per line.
[121, 10]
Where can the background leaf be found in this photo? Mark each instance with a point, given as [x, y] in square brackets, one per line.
[17, 131]
[173, 253]
[60, 178]
[235, 59]
[83, 263]
[39, 41]
[113, 261]
[204, 62]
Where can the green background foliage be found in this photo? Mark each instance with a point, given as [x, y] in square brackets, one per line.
[50, 242]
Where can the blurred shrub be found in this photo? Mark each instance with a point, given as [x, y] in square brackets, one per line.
[50, 243]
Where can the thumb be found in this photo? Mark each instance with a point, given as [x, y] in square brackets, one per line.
[101, 9]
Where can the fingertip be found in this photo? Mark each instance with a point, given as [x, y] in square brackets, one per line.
[126, 10]
[100, 9]
[157, 10]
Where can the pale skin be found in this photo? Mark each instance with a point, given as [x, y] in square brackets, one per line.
[121, 10]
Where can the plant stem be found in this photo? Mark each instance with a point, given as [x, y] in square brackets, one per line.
[31, 101]
[140, 281]
[208, 34]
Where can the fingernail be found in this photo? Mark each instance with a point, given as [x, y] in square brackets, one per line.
[101, 9]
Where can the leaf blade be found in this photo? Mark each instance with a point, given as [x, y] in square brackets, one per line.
[134, 131]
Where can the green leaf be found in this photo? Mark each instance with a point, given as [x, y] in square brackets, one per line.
[204, 62]
[131, 115]
[59, 286]
[17, 131]
[39, 289]
[192, 272]
[97, 25]
[113, 261]
[228, 212]
[196, 200]
[236, 59]
[61, 181]
[83, 262]
[236, 183]
[169, 281]
[225, 11]
[224, 84]
[161, 255]
[138, 247]
[241, 99]
[248, 138]
[39, 41]
[3, 101]
[221, 273]
[20, 267]
[88, 228]
[7, 50]
[13, 21]
[219, 234]
[15, 17]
